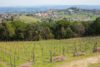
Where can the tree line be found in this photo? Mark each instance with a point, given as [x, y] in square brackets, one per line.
[47, 29]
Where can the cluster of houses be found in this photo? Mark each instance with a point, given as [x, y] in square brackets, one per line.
[49, 13]
[6, 17]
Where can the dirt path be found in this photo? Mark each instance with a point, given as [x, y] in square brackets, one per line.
[28, 64]
[83, 62]
[4, 65]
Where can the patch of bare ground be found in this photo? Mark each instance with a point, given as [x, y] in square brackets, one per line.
[82, 63]
[3, 63]
[28, 64]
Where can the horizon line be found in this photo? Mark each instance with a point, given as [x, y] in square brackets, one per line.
[52, 5]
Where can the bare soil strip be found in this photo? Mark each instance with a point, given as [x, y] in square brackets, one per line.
[82, 63]
[28, 64]
[4, 64]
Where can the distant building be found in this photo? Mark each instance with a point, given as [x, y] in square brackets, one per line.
[6, 17]
[42, 14]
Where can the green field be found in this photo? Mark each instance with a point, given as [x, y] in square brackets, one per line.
[29, 19]
[17, 53]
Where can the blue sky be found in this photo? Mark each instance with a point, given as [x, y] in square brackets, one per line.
[47, 2]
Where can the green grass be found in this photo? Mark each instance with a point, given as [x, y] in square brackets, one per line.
[82, 16]
[22, 51]
[95, 65]
[29, 19]
[1, 65]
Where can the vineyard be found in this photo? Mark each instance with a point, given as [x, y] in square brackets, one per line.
[40, 53]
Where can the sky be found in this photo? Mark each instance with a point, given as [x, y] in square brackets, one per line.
[47, 2]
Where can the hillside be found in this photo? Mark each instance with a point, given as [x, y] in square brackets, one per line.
[73, 13]
[40, 52]
[28, 19]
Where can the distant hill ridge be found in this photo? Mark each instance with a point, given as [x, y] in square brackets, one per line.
[44, 8]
